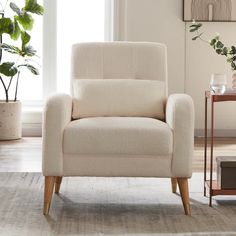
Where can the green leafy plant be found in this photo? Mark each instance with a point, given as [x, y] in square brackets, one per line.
[219, 47]
[17, 28]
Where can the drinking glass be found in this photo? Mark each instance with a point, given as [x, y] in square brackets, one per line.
[218, 83]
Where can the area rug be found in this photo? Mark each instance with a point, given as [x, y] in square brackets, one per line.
[110, 206]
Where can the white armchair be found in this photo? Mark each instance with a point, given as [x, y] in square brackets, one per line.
[118, 121]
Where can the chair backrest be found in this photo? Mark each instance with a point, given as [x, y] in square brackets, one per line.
[119, 61]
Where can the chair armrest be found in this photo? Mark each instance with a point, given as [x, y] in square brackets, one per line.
[180, 118]
[56, 115]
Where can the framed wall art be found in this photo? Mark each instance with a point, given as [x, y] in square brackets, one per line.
[210, 10]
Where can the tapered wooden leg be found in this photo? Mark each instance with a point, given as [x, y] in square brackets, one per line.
[58, 184]
[183, 188]
[48, 191]
[174, 184]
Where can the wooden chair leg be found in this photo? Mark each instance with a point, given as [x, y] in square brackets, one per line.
[58, 184]
[48, 191]
[174, 184]
[184, 192]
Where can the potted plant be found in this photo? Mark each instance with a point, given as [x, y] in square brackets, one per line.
[17, 27]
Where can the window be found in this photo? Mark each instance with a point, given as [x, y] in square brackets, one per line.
[66, 23]
[77, 21]
[63, 24]
[30, 86]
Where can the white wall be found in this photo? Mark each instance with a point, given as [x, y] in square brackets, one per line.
[201, 62]
[157, 21]
[190, 63]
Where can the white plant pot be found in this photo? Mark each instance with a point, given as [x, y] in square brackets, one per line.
[10, 120]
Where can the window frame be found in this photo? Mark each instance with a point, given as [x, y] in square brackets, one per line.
[49, 55]
[50, 32]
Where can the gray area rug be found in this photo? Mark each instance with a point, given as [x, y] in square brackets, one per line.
[110, 206]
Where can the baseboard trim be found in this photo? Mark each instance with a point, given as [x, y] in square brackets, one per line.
[32, 130]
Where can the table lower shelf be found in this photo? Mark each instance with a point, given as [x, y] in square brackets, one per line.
[218, 191]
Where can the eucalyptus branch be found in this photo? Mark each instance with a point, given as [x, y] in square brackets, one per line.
[200, 37]
[218, 46]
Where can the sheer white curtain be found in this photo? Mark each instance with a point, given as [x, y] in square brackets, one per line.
[77, 21]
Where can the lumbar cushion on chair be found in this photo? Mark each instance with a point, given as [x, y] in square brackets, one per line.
[118, 97]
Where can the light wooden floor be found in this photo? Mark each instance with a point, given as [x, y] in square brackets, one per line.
[25, 155]
[22, 155]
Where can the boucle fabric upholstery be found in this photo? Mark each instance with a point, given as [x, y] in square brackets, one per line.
[124, 145]
[118, 135]
[119, 60]
[180, 118]
[118, 97]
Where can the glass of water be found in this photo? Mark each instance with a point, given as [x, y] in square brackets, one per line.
[218, 83]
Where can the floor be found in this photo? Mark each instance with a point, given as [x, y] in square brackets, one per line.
[24, 155]
[88, 206]
[106, 206]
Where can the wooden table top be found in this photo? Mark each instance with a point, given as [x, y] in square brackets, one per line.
[221, 97]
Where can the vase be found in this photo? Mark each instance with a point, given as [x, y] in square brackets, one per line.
[218, 83]
[10, 120]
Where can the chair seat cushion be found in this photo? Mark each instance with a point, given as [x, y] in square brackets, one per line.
[118, 136]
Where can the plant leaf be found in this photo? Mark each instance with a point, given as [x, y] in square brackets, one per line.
[225, 51]
[213, 41]
[32, 69]
[219, 44]
[26, 20]
[16, 32]
[233, 66]
[233, 50]
[6, 26]
[193, 29]
[33, 7]
[28, 51]
[218, 51]
[25, 38]
[8, 69]
[199, 25]
[194, 38]
[198, 36]
[15, 8]
[10, 48]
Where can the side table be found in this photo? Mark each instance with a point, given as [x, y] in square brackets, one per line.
[211, 184]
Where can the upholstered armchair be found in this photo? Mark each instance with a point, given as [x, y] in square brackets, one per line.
[119, 120]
